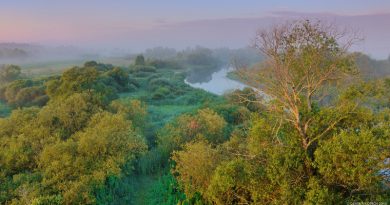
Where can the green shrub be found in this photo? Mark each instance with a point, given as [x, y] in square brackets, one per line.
[140, 60]
[165, 191]
[141, 74]
[48, 200]
[154, 76]
[21, 93]
[160, 93]
[144, 68]
[134, 82]
[154, 84]
[132, 88]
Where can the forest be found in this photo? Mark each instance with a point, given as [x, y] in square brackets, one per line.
[99, 133]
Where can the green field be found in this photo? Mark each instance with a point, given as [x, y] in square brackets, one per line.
[56, 67]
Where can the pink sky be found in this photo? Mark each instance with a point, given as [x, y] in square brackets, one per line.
[115, 26]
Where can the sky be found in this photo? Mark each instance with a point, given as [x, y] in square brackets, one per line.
[136, 24]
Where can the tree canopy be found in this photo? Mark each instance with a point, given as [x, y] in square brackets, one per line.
[308, 144]
[9, 73]
[308, 130]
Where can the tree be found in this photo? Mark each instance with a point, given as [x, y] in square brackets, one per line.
[347, 159]
[302, 60]
[75, 166]
[229, 184]
[195, 175]
[140, 60]
[100, 82]
[206, 124]
[23, 92]
[307, 146]
[64, 151]
[69, 115]
[9, 73]
[133, 110]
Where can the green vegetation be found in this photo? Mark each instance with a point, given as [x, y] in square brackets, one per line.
[85, 143]
[9, 73]
[310, 144]
[4, 109]
[368, 68]
[60, 153]
[371, 68]
[103, 134]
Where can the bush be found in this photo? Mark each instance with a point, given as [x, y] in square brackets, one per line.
[134, 82]
[27, 96]
[154, 76]
[140, 60]
[9, 73]
[141, 74]
[160, 93]
[233, 114]
[132, 88]
[21, 93]
[41, 100]
[48, 200]
[144, 68]
[159, 82]
[195, 97]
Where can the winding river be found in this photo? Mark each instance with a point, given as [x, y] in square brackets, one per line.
[219, 83]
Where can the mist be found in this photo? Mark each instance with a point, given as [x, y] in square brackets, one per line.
[194, 102]
[211, 33]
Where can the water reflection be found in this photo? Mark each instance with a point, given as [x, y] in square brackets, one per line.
[218, 82]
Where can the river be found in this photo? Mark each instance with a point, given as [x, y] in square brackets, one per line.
[219, 83]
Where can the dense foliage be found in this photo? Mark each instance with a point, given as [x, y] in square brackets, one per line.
[102, 134]
[9, 73]
[83, 145]
[308, 143]
[60, 153]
